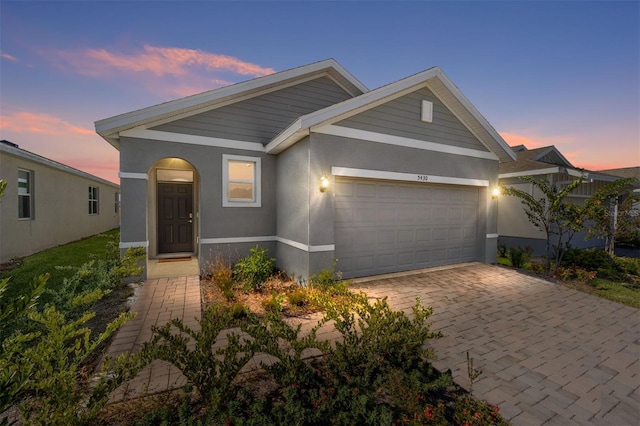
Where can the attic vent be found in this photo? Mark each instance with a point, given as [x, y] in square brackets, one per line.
[427, 111]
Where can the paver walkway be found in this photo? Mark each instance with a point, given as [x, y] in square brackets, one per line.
[549, 355]
[157, 302]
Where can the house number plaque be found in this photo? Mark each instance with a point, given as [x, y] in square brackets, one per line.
[423, 178]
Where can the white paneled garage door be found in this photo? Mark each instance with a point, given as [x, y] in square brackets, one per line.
[385, 226]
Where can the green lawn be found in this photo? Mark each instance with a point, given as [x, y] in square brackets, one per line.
[73, 254]
[620, 292]
[616, 291]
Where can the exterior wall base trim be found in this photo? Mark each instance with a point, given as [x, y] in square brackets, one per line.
[257, 239]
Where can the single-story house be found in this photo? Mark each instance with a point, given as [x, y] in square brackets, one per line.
[313, 166]
[47, 203]
[541, 163]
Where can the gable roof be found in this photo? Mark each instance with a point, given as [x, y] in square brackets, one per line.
[13, 149]
[110, 128]
[542, 161]
[362, 100]
[624, 172]
[432, 78]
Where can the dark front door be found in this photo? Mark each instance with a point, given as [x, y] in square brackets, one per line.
[175, 217]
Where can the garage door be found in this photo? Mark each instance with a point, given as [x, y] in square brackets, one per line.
[383, 226]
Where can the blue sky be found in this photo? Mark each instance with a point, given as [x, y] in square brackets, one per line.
[563, 73]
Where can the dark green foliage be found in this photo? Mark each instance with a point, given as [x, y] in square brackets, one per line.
[211, 368]
[593, 260]
[45, 346]
[502, 250]
[628, 265]
[255, 269]
[519, 257]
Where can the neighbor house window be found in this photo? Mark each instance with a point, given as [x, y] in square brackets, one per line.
[241, 181]
[25, 194]
[93, 200]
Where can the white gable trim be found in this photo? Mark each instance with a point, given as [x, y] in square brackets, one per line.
[406, 177]
[366, 135]
[108, 127]
[550, 170]
[384, 94]
[193, 139]
[335, 113]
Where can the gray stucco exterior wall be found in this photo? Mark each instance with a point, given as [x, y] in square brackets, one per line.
[213, 222]
[59, 202]
[295, 220]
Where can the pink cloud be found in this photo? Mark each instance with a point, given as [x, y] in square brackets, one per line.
[41, 123]
[7, 56]
[532, 141]
[160, 61]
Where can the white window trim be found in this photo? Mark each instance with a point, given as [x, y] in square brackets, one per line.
[257, 184]
[96, 200]
[30, 194]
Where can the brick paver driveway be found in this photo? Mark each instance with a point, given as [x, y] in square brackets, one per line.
[549, 355]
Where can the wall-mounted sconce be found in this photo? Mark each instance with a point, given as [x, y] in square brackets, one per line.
[324, 183]
[495, 193]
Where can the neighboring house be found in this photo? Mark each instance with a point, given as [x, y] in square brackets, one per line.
[313, 166]
[47, 203]
[541, 163]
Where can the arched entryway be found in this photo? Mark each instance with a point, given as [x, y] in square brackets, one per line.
[173, 208]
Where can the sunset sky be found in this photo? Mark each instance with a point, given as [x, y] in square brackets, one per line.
[543, 73]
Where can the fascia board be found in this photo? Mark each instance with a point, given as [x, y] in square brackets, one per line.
[30, 156]
[537, 172]
[347, 75]
[476, 114]
[603, 178]
[109, 126]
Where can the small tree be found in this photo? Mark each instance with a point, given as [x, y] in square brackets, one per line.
[552, 214]
[611, 211]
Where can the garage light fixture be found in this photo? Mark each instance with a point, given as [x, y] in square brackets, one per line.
[495, 193]
[324, 183]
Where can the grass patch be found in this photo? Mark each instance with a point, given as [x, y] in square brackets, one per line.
[71, 255]
[624, 293]
[504, 261]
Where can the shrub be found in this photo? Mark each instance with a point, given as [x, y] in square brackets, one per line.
[219, 271]
[329, 281]
[274, 304]
[58, 395]
[589, 259]
[628, 265]
[211, 368]
[298, 298]
[502, 249]
[254, 270]
[608, 267]
[519, 257]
